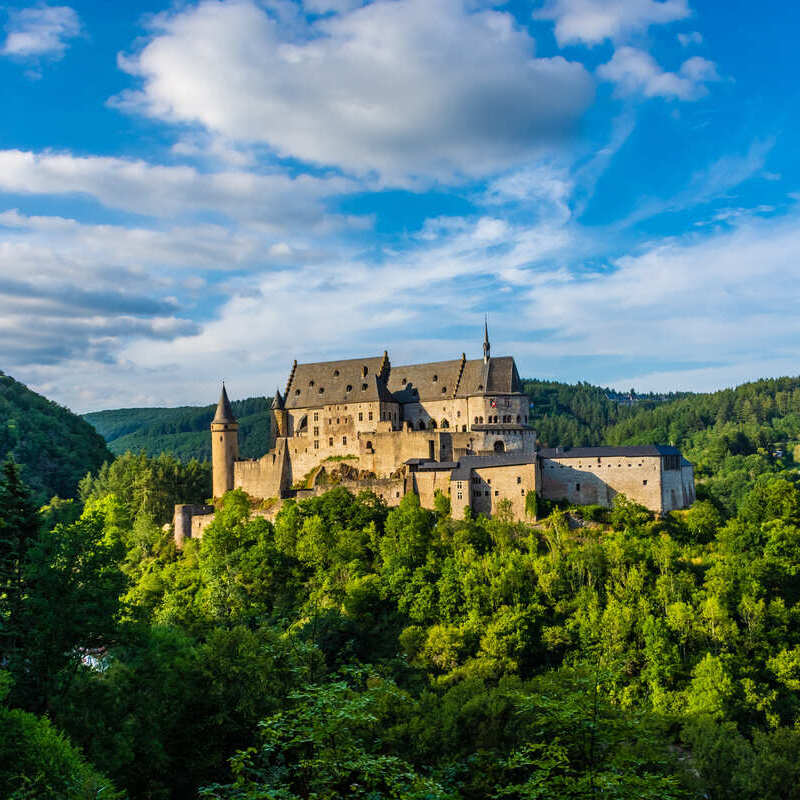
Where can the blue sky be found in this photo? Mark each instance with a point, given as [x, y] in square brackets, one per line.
[196, 191]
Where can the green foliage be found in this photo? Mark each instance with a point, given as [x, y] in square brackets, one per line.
[349, 649]
[151, 486]
[37, 762]
[54, 447]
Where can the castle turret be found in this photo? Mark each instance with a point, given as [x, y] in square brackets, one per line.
[487, 348]
[280, 415]
[224, 445]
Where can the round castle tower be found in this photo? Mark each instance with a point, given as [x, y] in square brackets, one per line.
[224, 446]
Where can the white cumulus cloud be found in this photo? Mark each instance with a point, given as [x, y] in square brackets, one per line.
[404, 89]
[635, 71]
[41, 30]
[592, 21]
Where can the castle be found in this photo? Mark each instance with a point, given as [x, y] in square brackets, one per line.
[459, 427]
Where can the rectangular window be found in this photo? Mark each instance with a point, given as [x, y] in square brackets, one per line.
[519, 479]
[344, 440]
[360, 416]
[316, 430]
[316, 444]
[316, 416]
[496, 493]
[459, 495]
[577, 487]
[486, 493]
[370, 415]
[330, 441]
[523, 493]
[644, 483]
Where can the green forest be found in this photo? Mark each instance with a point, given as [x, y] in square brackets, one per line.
[182, 431]
[54, 447]
[351, 650]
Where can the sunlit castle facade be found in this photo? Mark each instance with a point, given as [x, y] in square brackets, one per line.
[459, 427]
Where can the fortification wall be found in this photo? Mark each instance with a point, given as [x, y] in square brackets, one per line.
[677, 488]
[596, 481]
[183, 518]
[489, 485]
[428, 482]
[268, 476]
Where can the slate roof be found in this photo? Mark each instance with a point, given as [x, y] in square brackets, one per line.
[224, 411]
[326, 382]
[632, 451]
[415, 383]
[467, 463]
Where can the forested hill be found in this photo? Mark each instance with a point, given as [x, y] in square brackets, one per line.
[54, 447]
[182, 431]
[578, 415]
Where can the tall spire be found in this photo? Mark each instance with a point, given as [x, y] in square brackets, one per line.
[277, 401]
[486, 346]
[224, 410]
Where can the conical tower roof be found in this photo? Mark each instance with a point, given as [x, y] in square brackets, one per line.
[277, 401]
[224, 410]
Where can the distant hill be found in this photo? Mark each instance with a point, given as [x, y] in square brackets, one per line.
[54, 447]
[579, 414]
[182, 431]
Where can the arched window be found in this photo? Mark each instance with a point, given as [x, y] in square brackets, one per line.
[463, 429]
[336, 373]
[445, 423]
[518, 418]
[369, 445]
[348, 388]
[480, 420]
[476, 421]
[433, 423]
[364, 371]
[499, 446]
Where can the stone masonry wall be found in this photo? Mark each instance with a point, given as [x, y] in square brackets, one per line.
[591, 481]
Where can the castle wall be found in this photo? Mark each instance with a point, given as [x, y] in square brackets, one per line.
[184, 517]
[268, 476]
[590, 481]
[508, 409]
[677, 488]
[487, 486]
[427, 482]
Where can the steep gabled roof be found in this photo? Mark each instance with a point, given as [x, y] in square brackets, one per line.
[440, 380]
[354, 380]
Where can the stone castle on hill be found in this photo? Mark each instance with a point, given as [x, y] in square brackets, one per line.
[460, 427]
